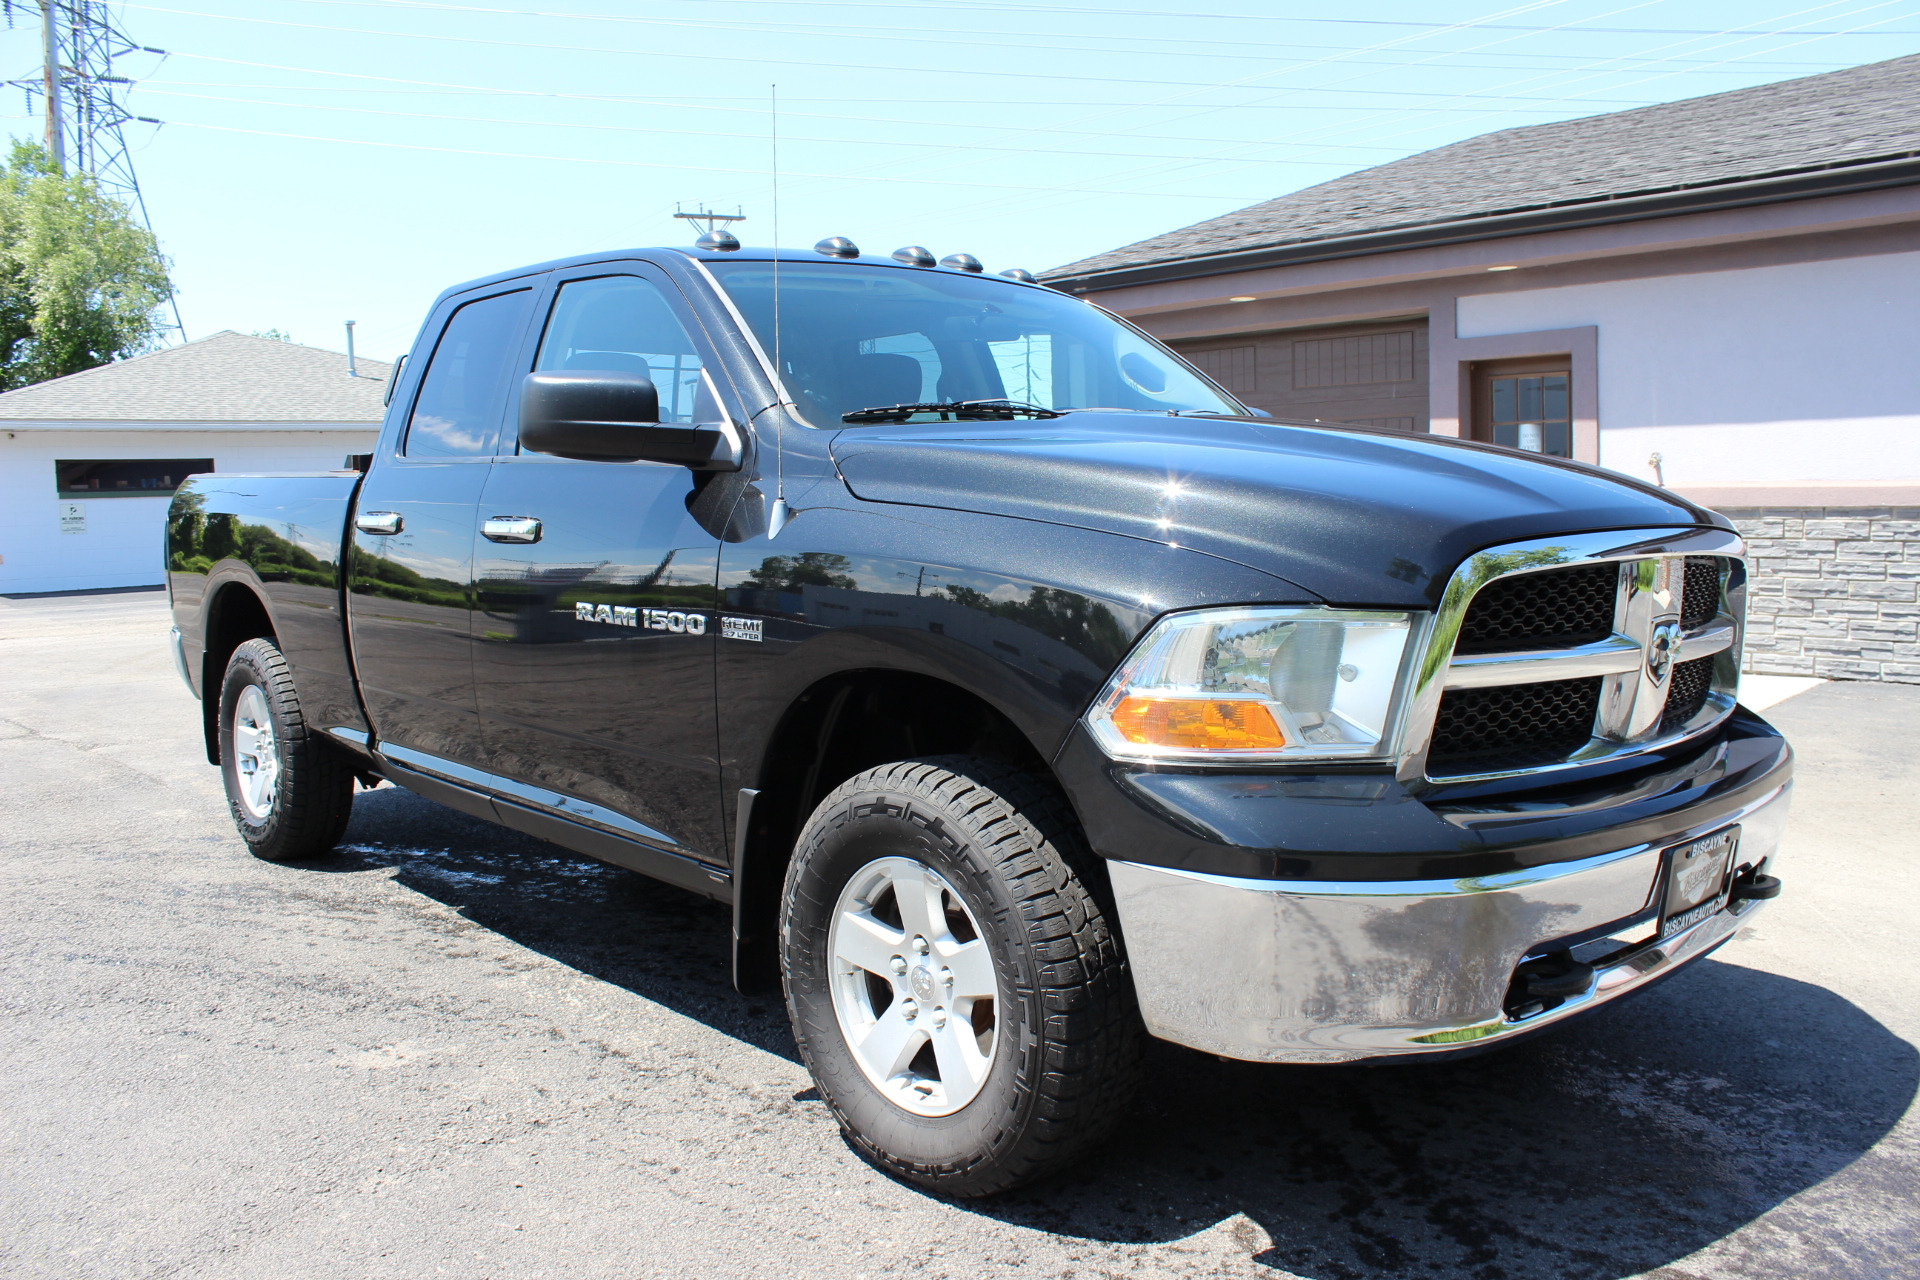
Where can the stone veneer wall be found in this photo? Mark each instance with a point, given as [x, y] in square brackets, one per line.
[1831, 591]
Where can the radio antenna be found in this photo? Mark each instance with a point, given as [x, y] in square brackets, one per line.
[777, 518]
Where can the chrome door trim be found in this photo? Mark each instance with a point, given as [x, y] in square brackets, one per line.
[510, 529]
[1434, 671]
[534, 797]
[380, 522]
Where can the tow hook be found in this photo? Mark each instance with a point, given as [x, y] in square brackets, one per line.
[1545, 981]
[1754, 887]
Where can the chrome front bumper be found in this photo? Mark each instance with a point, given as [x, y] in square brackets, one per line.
[1317, 971]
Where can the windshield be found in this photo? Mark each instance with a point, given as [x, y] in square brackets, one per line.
[856, 337]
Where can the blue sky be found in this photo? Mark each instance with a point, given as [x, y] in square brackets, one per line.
[326, 160]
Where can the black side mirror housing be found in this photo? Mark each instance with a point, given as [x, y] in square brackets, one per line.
[596, 415]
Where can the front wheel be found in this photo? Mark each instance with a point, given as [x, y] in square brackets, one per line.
[956, 991]
[290, 790]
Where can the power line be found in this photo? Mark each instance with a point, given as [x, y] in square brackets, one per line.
[971, 184]
[706, 105]
[693, 133]
[1076, 11]
[680, 100]
[920, 34]
[813, 63]
[1741, 34]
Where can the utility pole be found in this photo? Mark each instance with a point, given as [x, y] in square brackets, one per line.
[86, 110]
[50, 48]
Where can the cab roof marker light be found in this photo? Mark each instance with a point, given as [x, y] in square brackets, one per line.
[837, 247]
[913, 255]
[1021, 274]
[962, 262]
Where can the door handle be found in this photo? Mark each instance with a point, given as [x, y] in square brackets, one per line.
[379, 522]
[511, 529]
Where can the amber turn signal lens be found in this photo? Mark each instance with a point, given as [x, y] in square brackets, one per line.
[1198, 724]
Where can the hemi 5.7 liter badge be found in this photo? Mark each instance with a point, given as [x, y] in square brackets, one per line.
[739, 628]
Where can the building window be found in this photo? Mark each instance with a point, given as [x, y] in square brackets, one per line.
[125, 477]
[1526, 405]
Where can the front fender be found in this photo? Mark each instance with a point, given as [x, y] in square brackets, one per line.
[933, 593]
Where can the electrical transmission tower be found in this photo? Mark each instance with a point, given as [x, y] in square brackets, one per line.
[83, 100]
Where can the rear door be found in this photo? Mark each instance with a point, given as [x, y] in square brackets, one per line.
[595, 632]
[411, 582]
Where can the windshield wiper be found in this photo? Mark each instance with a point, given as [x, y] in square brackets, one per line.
[953, 411]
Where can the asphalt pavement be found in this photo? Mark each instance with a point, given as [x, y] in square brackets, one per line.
[457, 1051]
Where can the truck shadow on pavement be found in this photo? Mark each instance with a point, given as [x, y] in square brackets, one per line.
[1615, 1146]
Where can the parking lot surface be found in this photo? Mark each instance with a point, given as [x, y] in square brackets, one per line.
[455, 1050]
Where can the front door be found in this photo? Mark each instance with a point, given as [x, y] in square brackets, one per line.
[595, 632]
[411, 583]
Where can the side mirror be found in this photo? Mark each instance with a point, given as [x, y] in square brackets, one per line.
[595, 415]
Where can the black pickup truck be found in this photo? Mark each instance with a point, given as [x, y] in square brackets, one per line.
[1023, 693]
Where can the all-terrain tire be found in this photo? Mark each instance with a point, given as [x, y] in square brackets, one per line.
[303, 812]
[1067, 1058]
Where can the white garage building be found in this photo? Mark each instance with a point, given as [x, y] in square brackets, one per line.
[88, 462]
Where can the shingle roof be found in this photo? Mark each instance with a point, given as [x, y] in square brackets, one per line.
[228, 377]
[1842, 117]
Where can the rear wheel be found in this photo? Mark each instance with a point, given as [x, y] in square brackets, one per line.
[290, 790]
[956, 991]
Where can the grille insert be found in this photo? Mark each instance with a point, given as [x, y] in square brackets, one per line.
[1513, 726]
[1539, 610]
[1700, 598]
[1687, 690]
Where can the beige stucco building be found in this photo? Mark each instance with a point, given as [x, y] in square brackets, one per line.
[1721, 295]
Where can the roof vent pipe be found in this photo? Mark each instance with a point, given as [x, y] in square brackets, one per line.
[351, 371]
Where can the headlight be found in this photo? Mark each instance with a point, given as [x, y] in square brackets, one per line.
[1254, 684]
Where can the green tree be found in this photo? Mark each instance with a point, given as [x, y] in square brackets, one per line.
[808, 569]
[80, 279]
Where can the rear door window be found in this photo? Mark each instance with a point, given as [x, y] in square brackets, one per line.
[457, 413]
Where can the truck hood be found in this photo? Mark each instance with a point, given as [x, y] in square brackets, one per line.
[1354, 516]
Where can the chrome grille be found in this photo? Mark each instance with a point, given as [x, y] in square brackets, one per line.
[1700, 598]
[1582, 648]
[1553, 608]
[1514, 726]
[1687, 690]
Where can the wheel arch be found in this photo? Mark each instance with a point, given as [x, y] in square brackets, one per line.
[236, 612]
[837, 727]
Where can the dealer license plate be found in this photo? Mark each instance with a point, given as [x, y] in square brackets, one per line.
[1696, 880]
